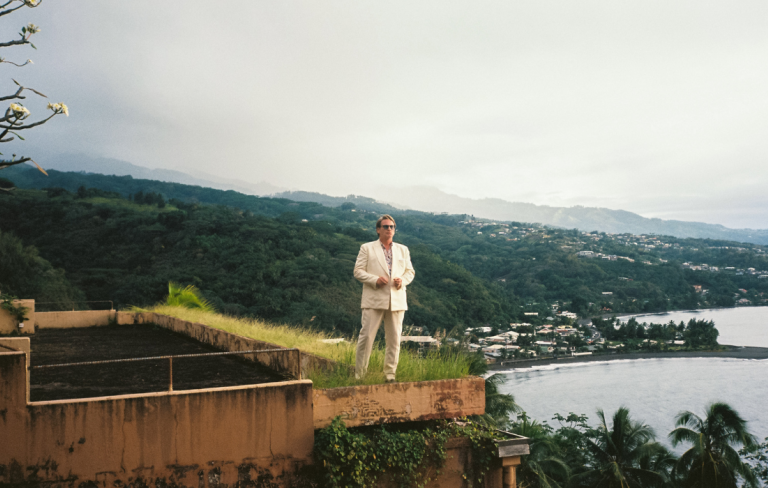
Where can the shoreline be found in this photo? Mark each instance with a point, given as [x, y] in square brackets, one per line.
[735, 352]
[620, 315]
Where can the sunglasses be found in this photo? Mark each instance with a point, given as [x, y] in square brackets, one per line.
[388, 226]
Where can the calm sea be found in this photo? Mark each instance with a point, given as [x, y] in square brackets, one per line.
[745, 326]
[655, 390]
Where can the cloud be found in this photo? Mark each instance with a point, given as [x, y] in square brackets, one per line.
[657, 107]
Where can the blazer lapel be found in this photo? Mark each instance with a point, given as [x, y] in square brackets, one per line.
[380, 254]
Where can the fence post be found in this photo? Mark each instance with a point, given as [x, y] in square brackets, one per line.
[170, 374]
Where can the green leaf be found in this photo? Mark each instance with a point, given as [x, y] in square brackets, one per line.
[33, 46]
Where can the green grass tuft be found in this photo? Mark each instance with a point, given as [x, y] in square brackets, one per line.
[445, 363]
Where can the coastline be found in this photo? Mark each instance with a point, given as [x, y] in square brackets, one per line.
[621, 315]
[735, 352]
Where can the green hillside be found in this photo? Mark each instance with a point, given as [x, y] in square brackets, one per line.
[123, 239]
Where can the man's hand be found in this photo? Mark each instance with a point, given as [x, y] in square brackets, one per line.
[383, 280]
[398, 283]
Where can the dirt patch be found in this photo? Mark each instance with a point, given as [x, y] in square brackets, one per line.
[56, 346]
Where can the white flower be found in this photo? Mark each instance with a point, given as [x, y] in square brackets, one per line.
[32, 29]
[19, 111]
[31, 3]
[59, 108]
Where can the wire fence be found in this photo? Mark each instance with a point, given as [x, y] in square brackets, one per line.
[170, 359]
[71, 306]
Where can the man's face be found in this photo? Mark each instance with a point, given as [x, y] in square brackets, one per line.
[387, 229]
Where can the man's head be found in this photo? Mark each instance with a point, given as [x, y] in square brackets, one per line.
[385, 227]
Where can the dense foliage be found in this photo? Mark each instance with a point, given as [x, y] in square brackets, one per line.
[623, 452]
[124, 239]
[25, 274]
[696, 334]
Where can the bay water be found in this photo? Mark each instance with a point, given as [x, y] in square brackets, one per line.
[656, 390]
[744, 326]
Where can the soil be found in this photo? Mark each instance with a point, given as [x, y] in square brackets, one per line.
[57, 346]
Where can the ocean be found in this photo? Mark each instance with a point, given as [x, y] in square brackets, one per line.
[655, 390]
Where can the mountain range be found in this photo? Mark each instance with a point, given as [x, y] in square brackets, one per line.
[430, 199]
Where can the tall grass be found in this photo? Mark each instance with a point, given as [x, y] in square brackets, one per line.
[445, 363]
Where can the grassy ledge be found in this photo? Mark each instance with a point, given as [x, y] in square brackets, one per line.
[442, 364]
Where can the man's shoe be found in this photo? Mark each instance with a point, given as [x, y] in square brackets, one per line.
[391, 380]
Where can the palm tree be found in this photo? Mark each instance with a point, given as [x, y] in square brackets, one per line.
[544, 466]
[188, 297]
[712, 460]
[623, 456]
[498, 406]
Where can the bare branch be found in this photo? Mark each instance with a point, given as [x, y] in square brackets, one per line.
[24, 159]
[17, 42]
[13, 162]
[29, 61]
[15, 95]
[6, 12]
[30, 89]
[22, 127]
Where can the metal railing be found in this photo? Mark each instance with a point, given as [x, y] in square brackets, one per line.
[155, 358]
[111, 304]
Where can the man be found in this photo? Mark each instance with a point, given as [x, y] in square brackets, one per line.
[384, 268]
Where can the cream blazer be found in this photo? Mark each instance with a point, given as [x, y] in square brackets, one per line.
[371, 264]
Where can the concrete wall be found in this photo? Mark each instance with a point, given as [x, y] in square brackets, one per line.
[9, 324]
[399, 402]
[198, 438]
[70, 320]
[458, 458]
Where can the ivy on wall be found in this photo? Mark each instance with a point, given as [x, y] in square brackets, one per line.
[404, 456]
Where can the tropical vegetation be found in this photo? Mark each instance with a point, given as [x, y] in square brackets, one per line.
[124, 239]
[623, 452]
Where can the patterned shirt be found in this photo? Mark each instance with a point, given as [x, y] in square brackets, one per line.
[388, 257]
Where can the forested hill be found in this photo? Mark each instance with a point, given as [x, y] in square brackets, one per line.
[292, 261]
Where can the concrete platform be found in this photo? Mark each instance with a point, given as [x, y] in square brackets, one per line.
[399, 402]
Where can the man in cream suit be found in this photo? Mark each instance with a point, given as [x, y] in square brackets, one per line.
[384, 268]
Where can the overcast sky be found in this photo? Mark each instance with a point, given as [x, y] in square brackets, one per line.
[656, 107]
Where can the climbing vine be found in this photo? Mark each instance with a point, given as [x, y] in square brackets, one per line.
[18, 312]
[404, 457]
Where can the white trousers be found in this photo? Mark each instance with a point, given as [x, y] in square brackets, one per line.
[393, 328]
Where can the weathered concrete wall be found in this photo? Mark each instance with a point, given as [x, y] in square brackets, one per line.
[400, 402]
[71, 320]
[458, 459]
[16, 343]
[9, 324]
[293, 363]
[191, 438]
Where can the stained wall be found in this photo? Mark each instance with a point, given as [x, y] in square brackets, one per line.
[191, 438]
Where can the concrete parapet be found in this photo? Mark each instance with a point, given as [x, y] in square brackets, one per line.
[9, 324]
[205, 437]
[294, 363]
[74, 319]
[399, 402]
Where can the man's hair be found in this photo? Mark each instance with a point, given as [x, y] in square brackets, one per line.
[383, 218]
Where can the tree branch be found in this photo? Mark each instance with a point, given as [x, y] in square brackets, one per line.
[6, 12]
[22, 127]
[13, 162]
[17, 42]
[15, 95]
[16, 64]
[24, 159]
